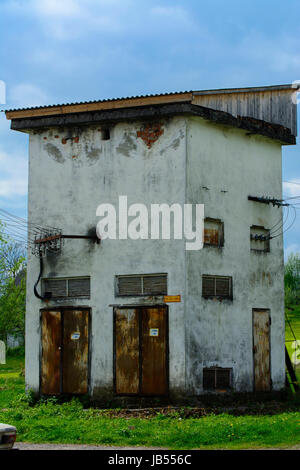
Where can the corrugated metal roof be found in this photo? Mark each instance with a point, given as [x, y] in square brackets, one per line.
[199, 92]
[75, 103]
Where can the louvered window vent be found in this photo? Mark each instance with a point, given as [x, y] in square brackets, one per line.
[138, 285]
[217, 378]
[217, 286]
[68, 287]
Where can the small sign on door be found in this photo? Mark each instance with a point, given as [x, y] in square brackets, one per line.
[75, 335]
[154, 332]
[172, 298]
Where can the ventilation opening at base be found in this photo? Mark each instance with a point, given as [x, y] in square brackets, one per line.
[217, 378]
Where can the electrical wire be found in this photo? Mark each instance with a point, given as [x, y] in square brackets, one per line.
[27, 233]
[284, 220]
[280, 234]
[280, 220]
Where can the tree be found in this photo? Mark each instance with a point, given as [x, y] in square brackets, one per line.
[12, 286]
[292, 279]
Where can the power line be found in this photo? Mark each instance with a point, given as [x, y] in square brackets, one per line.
[27, 233]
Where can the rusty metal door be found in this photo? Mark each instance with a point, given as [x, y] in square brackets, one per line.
[51, 352]
[141, 351]
[261, 350]
[127, 351]
[154, 351]
[64, 363]
[75, 351]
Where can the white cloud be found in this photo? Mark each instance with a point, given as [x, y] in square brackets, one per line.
[65, 20]
[177, 13]
[13, 187]
[72, 8]
[68, 19]
[277, 53]
[291, 189]
[13, 175]
[293, 248]
[26, 94]
[68, 8]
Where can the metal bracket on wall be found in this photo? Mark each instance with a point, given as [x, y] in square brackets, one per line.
[267, 200]
[60, 236]
[53, 242]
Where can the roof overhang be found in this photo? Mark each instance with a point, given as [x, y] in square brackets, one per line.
[266, 110]
[150, 112]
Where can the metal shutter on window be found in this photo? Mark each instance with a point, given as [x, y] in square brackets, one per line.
[155, 285]
[216, 378]
[209, 379]
[208, 286]
[223, 287]
[213, 232]
[129, 285]
[223, 378]
[216, 286]
[79, 287]
[58, 287]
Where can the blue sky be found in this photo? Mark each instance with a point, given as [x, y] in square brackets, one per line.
[57, 51]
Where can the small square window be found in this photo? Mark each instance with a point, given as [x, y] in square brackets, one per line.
[217, 286]
[105, 133]
[213, 232]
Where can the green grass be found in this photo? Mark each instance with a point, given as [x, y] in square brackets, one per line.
[48, 421]
[294, 319]
[11, 382]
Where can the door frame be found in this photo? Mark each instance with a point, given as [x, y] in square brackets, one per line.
[62, 309]
[269, 316]
[140, 306]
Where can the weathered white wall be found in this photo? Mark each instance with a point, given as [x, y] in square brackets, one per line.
[68, 181]
[66, 184]
[232, 166]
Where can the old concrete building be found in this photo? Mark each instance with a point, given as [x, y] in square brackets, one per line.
[103, 319]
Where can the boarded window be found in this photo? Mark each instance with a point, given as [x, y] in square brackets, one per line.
[217, 286]
[68, 287]
[79, 287]
[259, 239]
[217, 378]
[213, 232]
[58, 287]
[146, 284]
